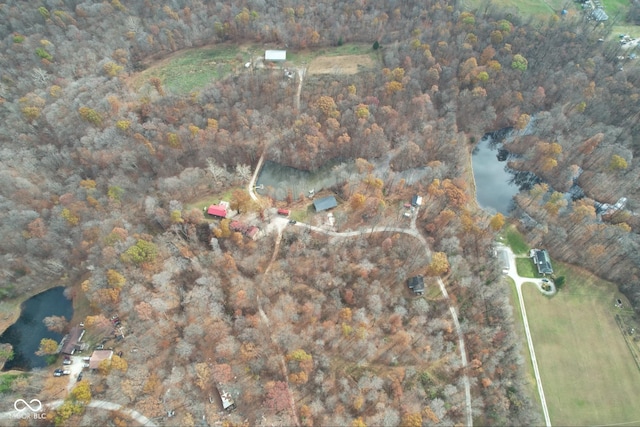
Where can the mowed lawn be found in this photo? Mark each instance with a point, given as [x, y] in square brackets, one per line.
[588, 374]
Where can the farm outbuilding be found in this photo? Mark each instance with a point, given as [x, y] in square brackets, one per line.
[217, 211]
[275, 55]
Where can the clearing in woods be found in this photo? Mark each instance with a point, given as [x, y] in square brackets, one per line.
[343, 64]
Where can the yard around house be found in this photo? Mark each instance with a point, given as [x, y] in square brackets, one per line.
[526, 268]
[588, 373]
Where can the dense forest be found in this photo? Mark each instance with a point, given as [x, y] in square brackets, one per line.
[95, 178]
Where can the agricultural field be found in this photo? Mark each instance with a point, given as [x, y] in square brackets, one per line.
[588, 373]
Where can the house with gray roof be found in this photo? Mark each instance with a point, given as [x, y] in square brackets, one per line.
[325, 203]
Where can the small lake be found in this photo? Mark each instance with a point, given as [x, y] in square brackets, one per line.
[26, 333]
[496, 183]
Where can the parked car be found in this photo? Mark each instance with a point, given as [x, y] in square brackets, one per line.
[293, 221]
[66, 372]
[58, 373]
[100, 347]
[85, 365]
[80, 377]
[67, 360]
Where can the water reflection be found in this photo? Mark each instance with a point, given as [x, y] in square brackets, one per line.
[26, 333]
[496, 183]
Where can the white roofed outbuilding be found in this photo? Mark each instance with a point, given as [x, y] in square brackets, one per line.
[275, 55]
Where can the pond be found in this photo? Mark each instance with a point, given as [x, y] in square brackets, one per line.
[496, 183]
[279, 180]
[26, 333]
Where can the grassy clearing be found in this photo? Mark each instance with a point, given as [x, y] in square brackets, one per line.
[526, 268]
[193, 69]
[541, 9]
[305, 56]
[7, 379]
[516, 241]
[616, 7]
[632, 30]
[588, 373]
[211, 199]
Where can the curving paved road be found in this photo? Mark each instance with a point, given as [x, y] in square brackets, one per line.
[519, 281]
[454, 315]
[101, 404]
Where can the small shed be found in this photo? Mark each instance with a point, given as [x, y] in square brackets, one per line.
[325, 203]
[252, 232]
[416, 284]
[283, 212]
[218, 211]
[228, 403]
[275, 55]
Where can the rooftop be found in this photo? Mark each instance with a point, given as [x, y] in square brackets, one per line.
[325, 203]
[70, 341]
[416, 284]
[275, 55]
[98, 356]
[542, 261]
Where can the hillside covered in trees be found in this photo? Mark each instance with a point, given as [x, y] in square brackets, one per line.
[96, 176]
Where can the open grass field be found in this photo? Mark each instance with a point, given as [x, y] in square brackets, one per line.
[192, 69]
[588, 373]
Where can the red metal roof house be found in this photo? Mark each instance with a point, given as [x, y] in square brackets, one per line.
[218, 211]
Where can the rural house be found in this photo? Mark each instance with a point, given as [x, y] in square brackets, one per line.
[325, 203]
[416, 200]
[416, 284]
[98, 356]
[542, 261]
[71, 342]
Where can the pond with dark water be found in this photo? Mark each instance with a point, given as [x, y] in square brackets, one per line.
[496, 183]
[26, 333]
[279, 180]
